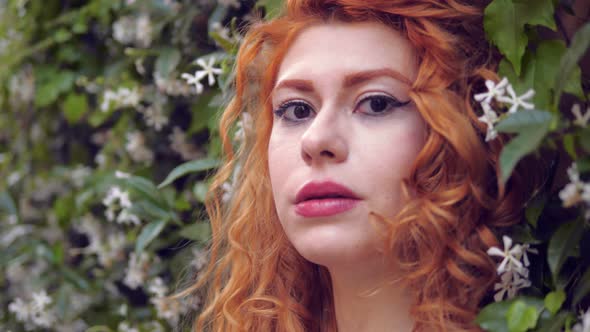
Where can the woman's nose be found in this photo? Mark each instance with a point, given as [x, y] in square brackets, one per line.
[324, 140]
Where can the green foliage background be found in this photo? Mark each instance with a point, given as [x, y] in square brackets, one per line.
[89, 89]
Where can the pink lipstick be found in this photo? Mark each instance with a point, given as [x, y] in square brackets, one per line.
[322, 199]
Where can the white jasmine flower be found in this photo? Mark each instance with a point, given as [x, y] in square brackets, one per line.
[136, 271]
[570, 195]
[122, 175]
[143, 30]
[169, 309]
[126, 217]
[20, 309]
[154, 117]
[180, 144]
[107, 97]
[494, 91]
[199, 258]
[137, 149]
[208, 69]
[112, 250]
[490, 118]
[125, 327]
[157, 287]
[172, 87]
[510, 283]
[35, 313]
[123, 97]
[580, 120]
[527, 248]
[517, 102]
[573, 192]
[13, 178]
[79, 175]
[124, 30]
[155, 326]
[41, 300]
[221, 30]
[584, 324]
[115, 193]
[224, 33]
[128, 97]
[511, 256]
[123, 310]
[194, 79]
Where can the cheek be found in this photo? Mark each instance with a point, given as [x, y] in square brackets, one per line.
[391, 156]
[282, 154]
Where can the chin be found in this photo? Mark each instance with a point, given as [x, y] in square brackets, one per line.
[334, 245]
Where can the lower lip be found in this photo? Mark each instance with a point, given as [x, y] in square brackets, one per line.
[325, 207]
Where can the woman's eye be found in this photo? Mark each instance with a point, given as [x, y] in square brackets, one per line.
[294, 111]
[377, 105]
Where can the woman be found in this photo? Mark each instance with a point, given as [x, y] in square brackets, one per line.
[367, 195]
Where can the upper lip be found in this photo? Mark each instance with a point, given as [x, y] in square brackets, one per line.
[318, 189]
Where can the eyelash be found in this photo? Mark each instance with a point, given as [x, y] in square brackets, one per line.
[393, 103]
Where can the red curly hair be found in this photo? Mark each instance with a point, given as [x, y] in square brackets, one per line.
[256, 280]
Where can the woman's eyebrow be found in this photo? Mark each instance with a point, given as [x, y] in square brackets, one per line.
[349, 80]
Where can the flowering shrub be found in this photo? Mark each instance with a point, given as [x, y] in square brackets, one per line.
[101, 100]
[108, 131]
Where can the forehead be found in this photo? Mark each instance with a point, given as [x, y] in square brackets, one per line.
[333, 48]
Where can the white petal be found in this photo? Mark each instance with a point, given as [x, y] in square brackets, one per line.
[507, 242]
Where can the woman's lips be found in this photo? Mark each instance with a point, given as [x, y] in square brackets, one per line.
[324, 207]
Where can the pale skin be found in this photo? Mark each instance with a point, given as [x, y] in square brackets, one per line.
[352, 123]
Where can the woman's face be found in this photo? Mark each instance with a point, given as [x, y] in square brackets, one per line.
[342, 115]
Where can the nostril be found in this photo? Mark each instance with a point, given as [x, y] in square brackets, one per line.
[327, 153]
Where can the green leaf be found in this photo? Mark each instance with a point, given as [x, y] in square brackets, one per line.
[553, 324]
[272, 8]
[562, 245]
[62, 35]
[540, 71]
[74, 107]
[200, 190]
[505, 20]
[532, 125]
[492, 317]
[521, 317]
[569, 144]
[145, 188]
[148, 233]
[582, 288]
[535, 208]
[569, 61]
[503, 29]
[554, 301]
[74, 278]
[49, 90]
[202, 112]
[523, 121]
[148, 210]
[584, 139]
[199, 231]
[189, 167]
[167, 61]
[7, 203]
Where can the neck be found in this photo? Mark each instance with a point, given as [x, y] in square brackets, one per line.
[368, 301]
